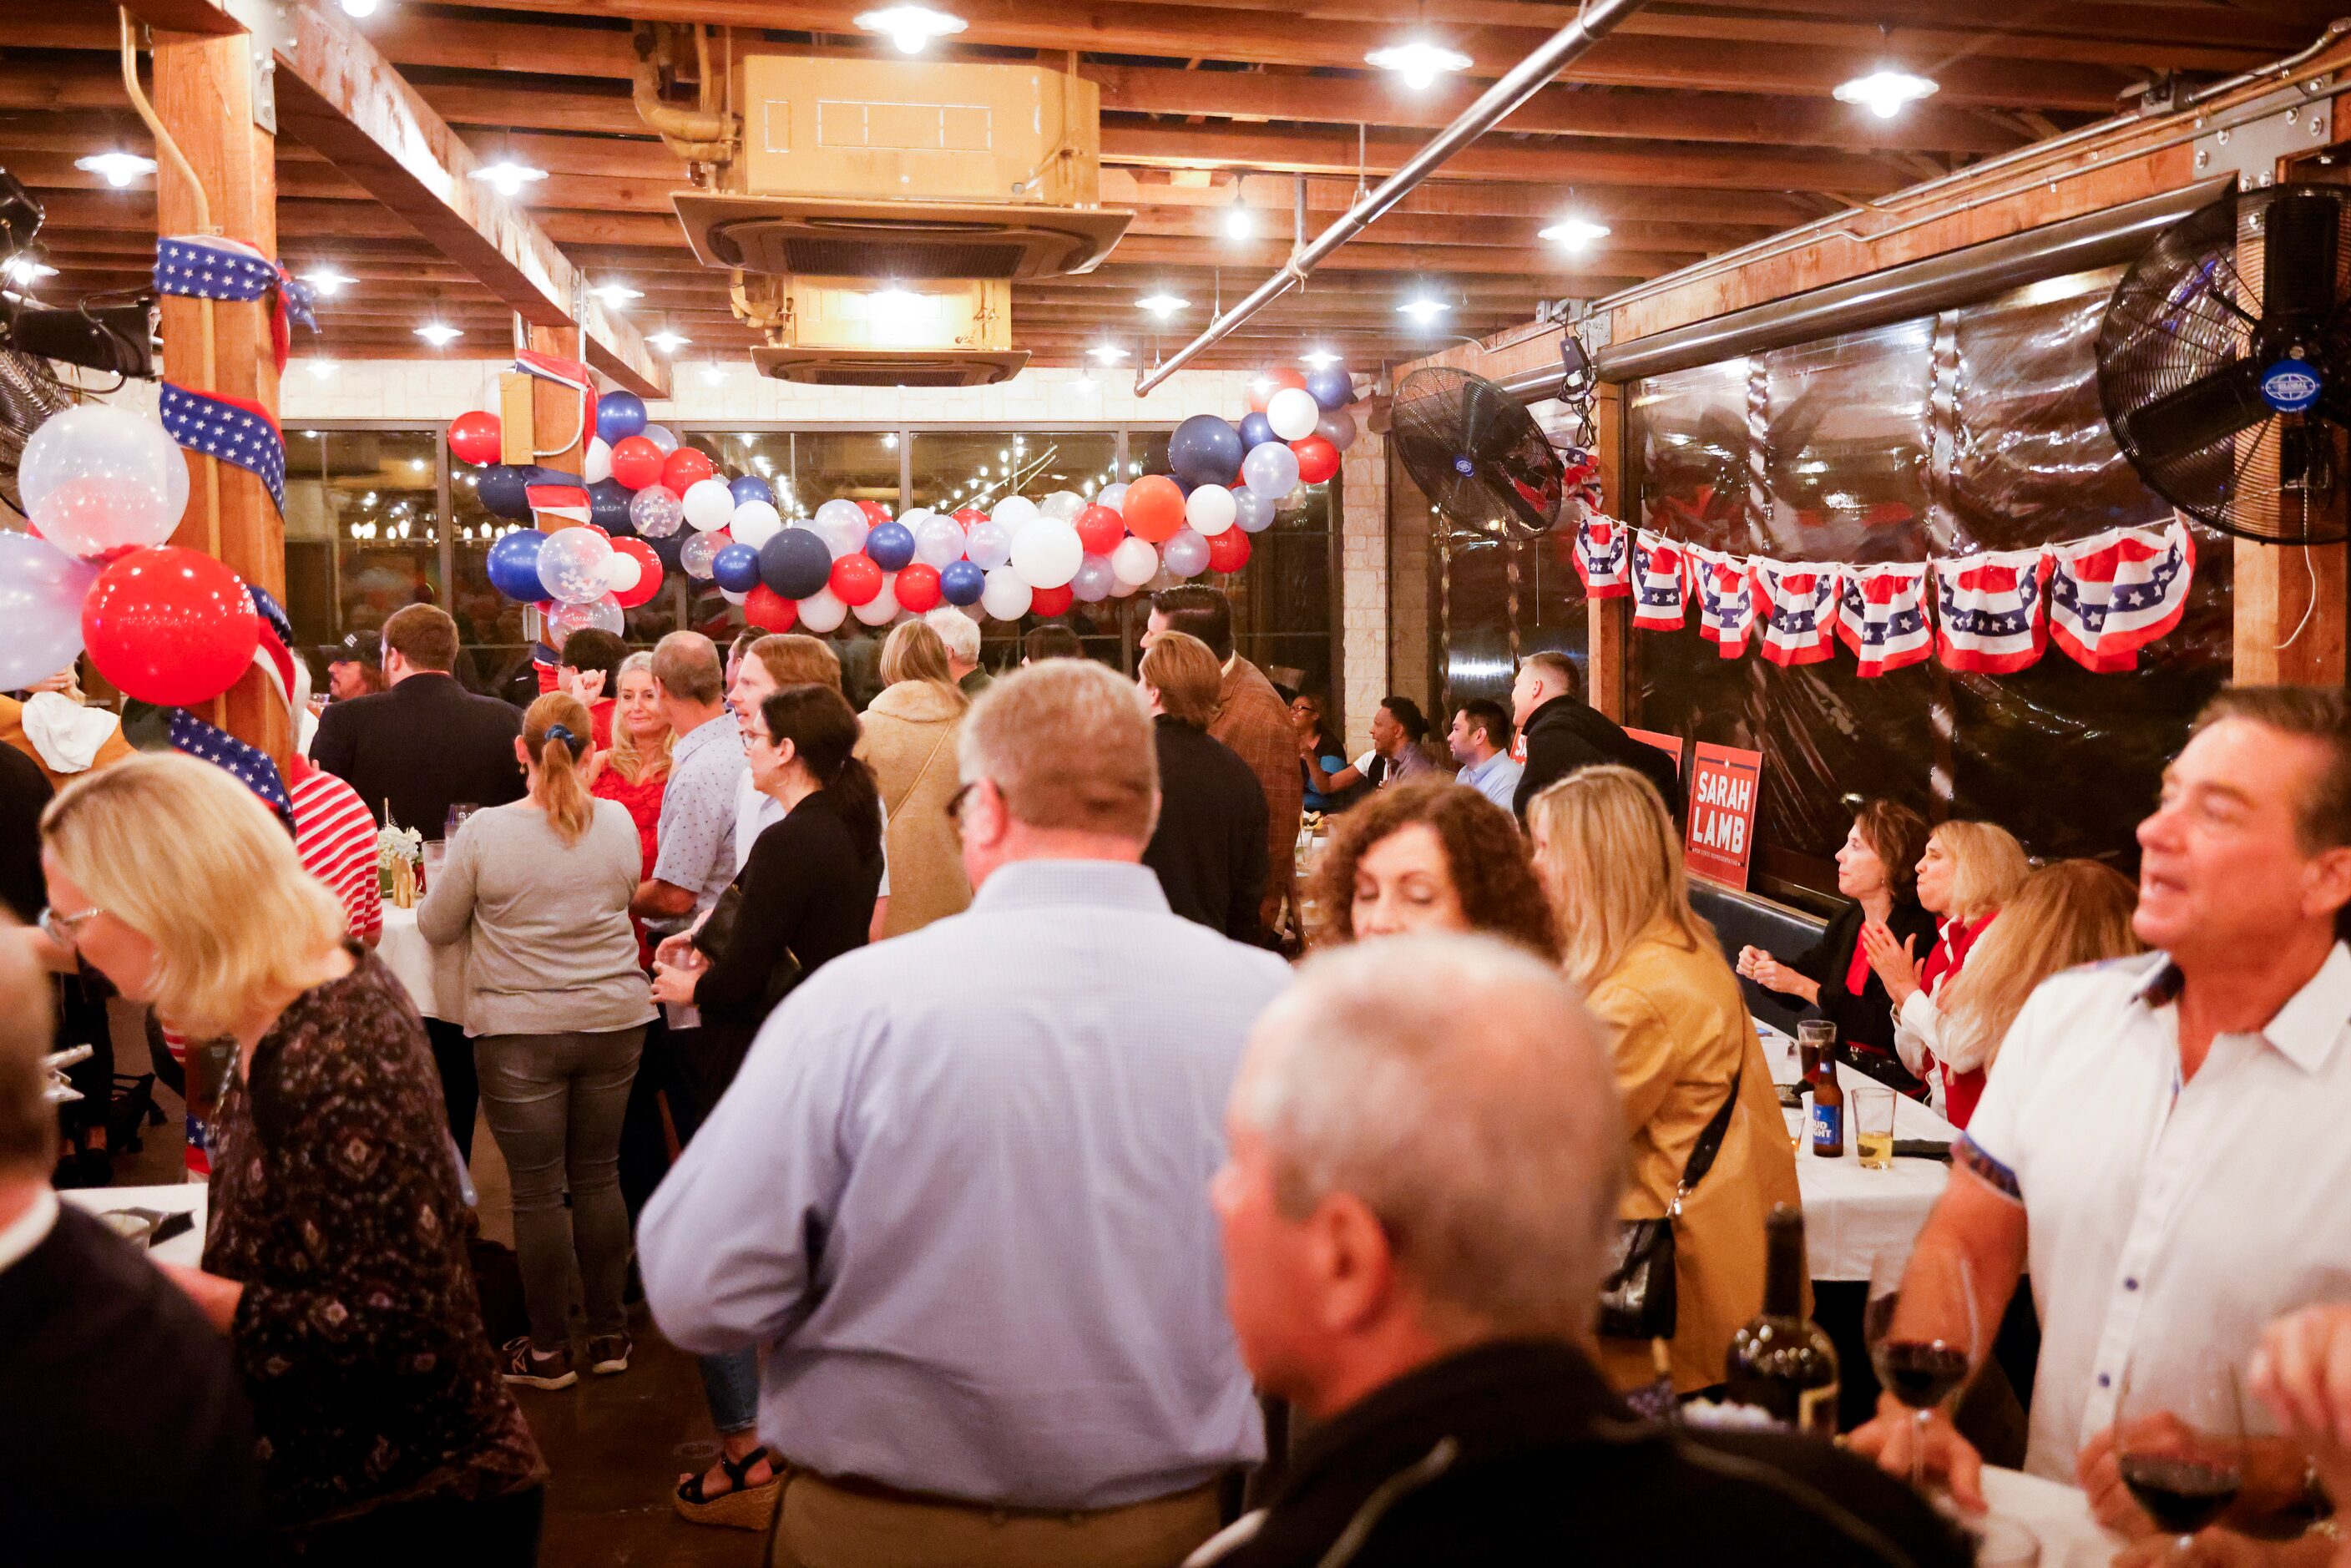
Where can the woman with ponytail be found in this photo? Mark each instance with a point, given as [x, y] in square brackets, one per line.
[538, 892]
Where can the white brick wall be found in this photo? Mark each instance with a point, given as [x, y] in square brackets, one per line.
[1363, 585]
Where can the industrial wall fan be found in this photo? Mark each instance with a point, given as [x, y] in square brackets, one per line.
[2224, 364]
[1477, 454]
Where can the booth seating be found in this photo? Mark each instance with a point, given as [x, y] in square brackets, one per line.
[1743, 920]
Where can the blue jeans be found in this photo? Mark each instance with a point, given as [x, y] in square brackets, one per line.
[730, 1383]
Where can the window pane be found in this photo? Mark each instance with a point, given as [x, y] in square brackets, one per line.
[809, 468]
[977, 468]
[363, 536]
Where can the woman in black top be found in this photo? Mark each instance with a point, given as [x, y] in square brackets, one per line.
[806, 895]
[1878, 869]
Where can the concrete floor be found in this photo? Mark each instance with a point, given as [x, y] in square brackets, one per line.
[615, 1444]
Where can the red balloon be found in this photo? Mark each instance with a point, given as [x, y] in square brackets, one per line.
[1318, 460]
[683, 469]
[637, 462]
[856, 578]
[768, 610]
[1228, 551]
[967, 515]
[917, 587]
[475, 437]
[875, 512]
[1154, 509]
[1100, 529]
[1049, 602]
[649, 570]
[1272, 381]
[170, 626]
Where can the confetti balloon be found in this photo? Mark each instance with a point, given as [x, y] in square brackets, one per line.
[571, 565]
[820, 612]
[603, 614]
[1063, 505]
[655, 513]
[700, 553]
[1006, 596]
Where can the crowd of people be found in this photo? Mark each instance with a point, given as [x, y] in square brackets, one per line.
[938, 1070]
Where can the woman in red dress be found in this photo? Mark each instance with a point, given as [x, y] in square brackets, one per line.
[634, 769]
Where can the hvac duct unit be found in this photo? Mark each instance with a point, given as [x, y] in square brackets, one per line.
[905, 170]
[847, 331]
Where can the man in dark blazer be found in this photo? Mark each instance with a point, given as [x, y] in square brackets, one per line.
[427, 743]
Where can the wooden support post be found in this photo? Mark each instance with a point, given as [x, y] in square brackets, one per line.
[1609, 644]
[554, 410]
[2289, 594]
[204, 94]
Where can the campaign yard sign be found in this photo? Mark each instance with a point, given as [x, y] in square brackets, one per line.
[1723, 785]
[1671, 745]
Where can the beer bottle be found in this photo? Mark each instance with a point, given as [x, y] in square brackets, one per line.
[1781, 1363]
[1828, 1114]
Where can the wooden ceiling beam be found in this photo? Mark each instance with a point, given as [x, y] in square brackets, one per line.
[1487, 198]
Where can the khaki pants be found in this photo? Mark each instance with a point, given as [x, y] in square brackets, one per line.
[823, 1526]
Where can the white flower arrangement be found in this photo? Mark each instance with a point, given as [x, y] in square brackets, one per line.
[393, 845]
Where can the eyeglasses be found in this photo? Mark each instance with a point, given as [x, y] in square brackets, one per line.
[954, 804]
[62, 929]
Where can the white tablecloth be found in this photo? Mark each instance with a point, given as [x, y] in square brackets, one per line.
[2058, 1516]
[1850, 1213]
[435, 977]
[186, 1248]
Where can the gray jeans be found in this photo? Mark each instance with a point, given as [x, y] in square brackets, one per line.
[554, 1103]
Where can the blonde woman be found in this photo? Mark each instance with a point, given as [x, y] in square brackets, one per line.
[539, 892]
[336, 1263]
[1685, 1050]
[1967, 871]
[2075, 912]
[910, 745]
[634, 768]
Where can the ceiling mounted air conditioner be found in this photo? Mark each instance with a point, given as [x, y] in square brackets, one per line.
[905, 169]
[850, 331]
[890, 368]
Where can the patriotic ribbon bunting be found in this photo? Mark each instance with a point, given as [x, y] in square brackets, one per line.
[556, 505]
[229, 428]
[1882, 617]
[1603, 556]
[2112, 595]
[1658, 601]
[1726, 598]
[247, 765]
[205, 266]
[276, 653]
[1799, 605]
[1988, 610]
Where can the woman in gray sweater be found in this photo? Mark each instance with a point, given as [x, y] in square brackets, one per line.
[557, 1006]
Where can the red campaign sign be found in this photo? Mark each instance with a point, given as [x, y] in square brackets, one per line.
[1671, 745]
[1723, 787]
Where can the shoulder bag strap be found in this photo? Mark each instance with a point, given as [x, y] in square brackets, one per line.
[890, 808]
[1708, 1144]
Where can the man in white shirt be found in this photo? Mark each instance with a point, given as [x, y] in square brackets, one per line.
[2163, 1138]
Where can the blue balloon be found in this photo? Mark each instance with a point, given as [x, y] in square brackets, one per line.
[735, 568]
[795, 562]
[670, 549]
[1331, 386]
[1204, 449]
[513, 565]
[619, 415]
[961, 582]
[505, 491]
[608, 508]
[892, 545]
[1256, 431]
[751, 487]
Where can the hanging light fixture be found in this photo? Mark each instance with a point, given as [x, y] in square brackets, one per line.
[359, 8]
[326, 281]
[1886, 92]
[508, 177]
[1318, 359]
[1423, 308]
[1162, 305]
[1240, 223]
[117, 169]
[667, 341]
[1418, 62]
[439, 334]
[1107, 354]
[1574, 233]
[910, 27]
[24, 271]
[617, 295]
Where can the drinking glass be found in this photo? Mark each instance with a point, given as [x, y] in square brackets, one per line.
[1925, 1334]
[458, 813]
[436, 853]
[1816, 1044]
[207, 1066]
[1873, 1127]
[2180, 1439]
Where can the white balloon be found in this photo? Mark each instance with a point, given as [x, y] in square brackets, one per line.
[731, 597]
[1047, 553]
[97, 478]
[1210, 510]
[1271, 468]
[1134, 562]
[753, 523]
[844, 527]
[1063, 505]
[1252, 512]
[1125, 590]
[571, 565]
[708, 505]
[821, 611]
[1013, 513]
[988, 545]
[659, 435]
[1113, 496]
[622, 572]
[597, 466]
[1006, 596]
[1094, 581]
[883, 608]
[939, 541]
[1293, 412]
[1186, 554]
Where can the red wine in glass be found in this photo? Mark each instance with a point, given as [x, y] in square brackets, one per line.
[1921, 1373]
[2181, 1495]
[2180, 1439]
[1923, 1328]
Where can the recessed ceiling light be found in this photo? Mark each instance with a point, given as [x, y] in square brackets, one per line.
[1418, 62]
[508, 177]
[1885, 93]
[616, 295]
[667, 341]
[910, 27]
[439, 334]
[1576, 232]
[118, 168]
[1423, 308]
[1107, 354]
[1162, 305]
[1238, 223]
[1317, 359]
[326, 281]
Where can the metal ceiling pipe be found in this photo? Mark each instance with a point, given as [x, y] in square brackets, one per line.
[1528, 77]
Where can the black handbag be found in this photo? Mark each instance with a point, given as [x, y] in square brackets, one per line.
[1637, 1299]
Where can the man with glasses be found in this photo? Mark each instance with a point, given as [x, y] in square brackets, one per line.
[984, 1145]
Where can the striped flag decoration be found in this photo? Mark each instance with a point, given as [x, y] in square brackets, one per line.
[1799, 606]
[1988, 610]
[1603, 555]
[556, 505]
[232, 429]
[1726, 598]
[1659, 602]
[1882, 617]
[247, 765]
[207, 267]
[2112, 595]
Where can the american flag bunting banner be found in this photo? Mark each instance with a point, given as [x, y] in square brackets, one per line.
[1659, 599]
[557, 503]
[1726, 598]
[1603, 558]
[206, 267]
[276, 653]
[571, 373]
[1882, 617]
[245, 764]
[2112, 595]
[1988, 610]
[231, 429]
[1799, 606]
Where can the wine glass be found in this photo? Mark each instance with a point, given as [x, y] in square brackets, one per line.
[1924, 1330]
[2180, 1439]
